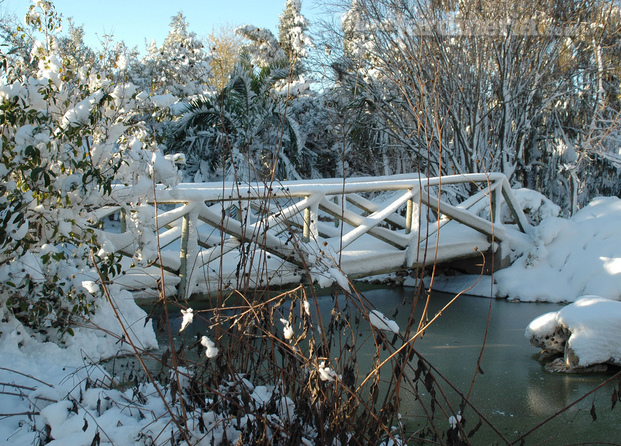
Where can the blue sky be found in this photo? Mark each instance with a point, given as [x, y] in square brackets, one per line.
[133, 21]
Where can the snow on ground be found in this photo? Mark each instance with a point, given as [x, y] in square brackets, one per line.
[44, 383]
[570, 258]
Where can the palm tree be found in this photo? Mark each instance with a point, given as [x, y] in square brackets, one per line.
[244, 132]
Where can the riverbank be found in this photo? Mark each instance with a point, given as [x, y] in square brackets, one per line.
[571, 257]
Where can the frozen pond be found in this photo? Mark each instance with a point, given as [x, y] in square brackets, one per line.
[514, 393]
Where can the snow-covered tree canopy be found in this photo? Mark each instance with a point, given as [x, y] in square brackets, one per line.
[485, 87]
[263, 49]
[68, 133]
[247, 131]
[293, 33]
[181, 66]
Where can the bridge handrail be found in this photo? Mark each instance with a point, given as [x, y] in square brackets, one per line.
[210, 203]
[228, 190]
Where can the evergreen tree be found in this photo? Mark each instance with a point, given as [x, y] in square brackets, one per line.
[180, 66]
[293, 33]
[263, 49]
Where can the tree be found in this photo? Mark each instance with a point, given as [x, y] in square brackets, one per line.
[293, 34]
[471, 87]
[181, 66]
[225, 46]
[263, 49]
[68, 134]
[243, 133]
[73, 48]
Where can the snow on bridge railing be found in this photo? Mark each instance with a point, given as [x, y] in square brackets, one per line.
[199, 224]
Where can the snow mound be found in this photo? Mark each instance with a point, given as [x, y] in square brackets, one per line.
[566, 258]
[587, 332]
[570, 258]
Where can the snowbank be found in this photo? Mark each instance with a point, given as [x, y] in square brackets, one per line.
[570, 258]
[44, 378]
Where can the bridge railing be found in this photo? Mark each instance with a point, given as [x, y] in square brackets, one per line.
[198, 225]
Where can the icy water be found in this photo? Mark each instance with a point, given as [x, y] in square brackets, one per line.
[514, 393]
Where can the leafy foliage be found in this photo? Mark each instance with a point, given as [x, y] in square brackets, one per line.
[245, 132]
[68, 134]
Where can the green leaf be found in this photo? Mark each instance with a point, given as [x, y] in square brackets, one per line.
[32, 152]
[36, 173]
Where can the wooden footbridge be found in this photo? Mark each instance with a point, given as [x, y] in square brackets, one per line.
[216, 235]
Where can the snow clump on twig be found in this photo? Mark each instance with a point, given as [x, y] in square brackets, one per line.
[381, 322]
[287, 330]
[212, 350]
[326, 373]
[188, 317]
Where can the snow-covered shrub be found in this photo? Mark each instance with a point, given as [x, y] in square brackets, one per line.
[536, 206]
[68, 134]
[272, 372]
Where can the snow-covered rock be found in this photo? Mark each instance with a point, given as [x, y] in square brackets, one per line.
[586, 332]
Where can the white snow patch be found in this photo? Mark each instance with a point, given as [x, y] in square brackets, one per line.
[211, 349]
[569, 258]
[287, 330]
[454, 420]
[326, 373]
[188, 317]
[381, 322]
[163, 100]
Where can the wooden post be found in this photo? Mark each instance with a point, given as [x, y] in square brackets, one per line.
[310, 222]
[338, 199]
[408, 216]
[495, 207]
[412, 214]
[306, 229]
[183, 257]
[123, 219]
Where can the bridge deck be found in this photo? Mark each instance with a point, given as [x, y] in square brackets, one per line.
[363, 258]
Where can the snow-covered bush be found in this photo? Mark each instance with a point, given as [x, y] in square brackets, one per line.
[68, 134]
